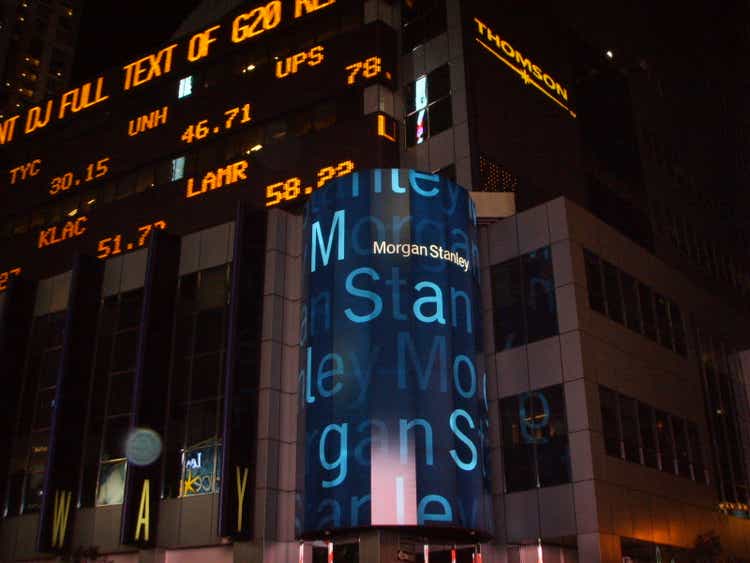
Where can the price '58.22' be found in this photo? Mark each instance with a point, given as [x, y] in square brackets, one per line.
[69, 180]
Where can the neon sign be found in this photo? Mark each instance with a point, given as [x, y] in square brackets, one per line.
[531, 73]
[161, 63]
[5, 277]
[112, 246]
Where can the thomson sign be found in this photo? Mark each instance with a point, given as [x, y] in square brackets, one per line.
[394, 404]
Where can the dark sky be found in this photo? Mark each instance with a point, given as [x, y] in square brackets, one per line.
[113, 33]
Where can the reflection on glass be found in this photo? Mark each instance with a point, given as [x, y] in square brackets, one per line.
[111, 483]
[200, 470]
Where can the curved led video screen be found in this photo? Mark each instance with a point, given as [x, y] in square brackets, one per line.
[392, 386]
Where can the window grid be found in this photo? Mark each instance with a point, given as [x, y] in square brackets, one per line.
[657, 444]
[650, 314]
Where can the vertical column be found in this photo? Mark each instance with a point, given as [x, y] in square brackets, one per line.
[69, 414]
[241, 377]
[143, 479]
[15, 324]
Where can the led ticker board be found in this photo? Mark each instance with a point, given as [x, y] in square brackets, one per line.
[286, 174]
[392, 388]
[249, 25]
[135, 127]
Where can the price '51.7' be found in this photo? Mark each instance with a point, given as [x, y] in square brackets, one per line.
[114, 245]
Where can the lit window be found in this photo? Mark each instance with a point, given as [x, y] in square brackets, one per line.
[178, 168]
[185, 88]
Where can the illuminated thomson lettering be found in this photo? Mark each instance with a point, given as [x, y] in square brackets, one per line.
[148, 121]
[57, 234]
[149, 67]
[219, 178]
[529, 72]
[25, 170]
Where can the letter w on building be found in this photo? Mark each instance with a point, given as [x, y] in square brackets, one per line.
[60, 518]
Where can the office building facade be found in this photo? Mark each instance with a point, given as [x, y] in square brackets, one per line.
[211, 352]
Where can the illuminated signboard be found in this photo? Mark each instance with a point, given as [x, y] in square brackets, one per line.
[528, 71]
[392, 387]
[157, 123]
[244, 27]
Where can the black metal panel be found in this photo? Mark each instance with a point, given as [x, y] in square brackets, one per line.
[15, 324]
[69, 414]
[242, 375]
[143, 482]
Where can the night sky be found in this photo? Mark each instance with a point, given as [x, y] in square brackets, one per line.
[113, 33]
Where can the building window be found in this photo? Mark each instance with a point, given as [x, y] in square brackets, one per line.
[523, 296]
[535, 439]
[421, 20]
[628, 302]
[185, 87]
[111, 398]
[429, 109]
[31, 443]
[638, 433]
[178, 169]
[193, 441]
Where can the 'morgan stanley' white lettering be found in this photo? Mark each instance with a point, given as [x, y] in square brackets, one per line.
[432, 250]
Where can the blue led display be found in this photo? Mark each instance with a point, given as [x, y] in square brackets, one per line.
[392, 386]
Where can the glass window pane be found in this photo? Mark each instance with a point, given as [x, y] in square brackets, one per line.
[213, 288]
[518, 449]
[647, 311]
[630, 299]
[648, 439]
[678, 329]
[610, 421]
[206, 375]
[198, 470]
[120, 393]
[439, 83]
[441, 116]
[508, 305]
[664, 437]
[201, 423]
[681, 446]
[33, 493]
[50, 363]
[44, 405]
[630, 432]
[115, 432]
[553, 457]
[416, 128]
[594, 282]
[539, 295]
[209, 331]
[661, 306]
[111, 488]
[125, 350]
[696, 453]
[612, 289]
[130, 309]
